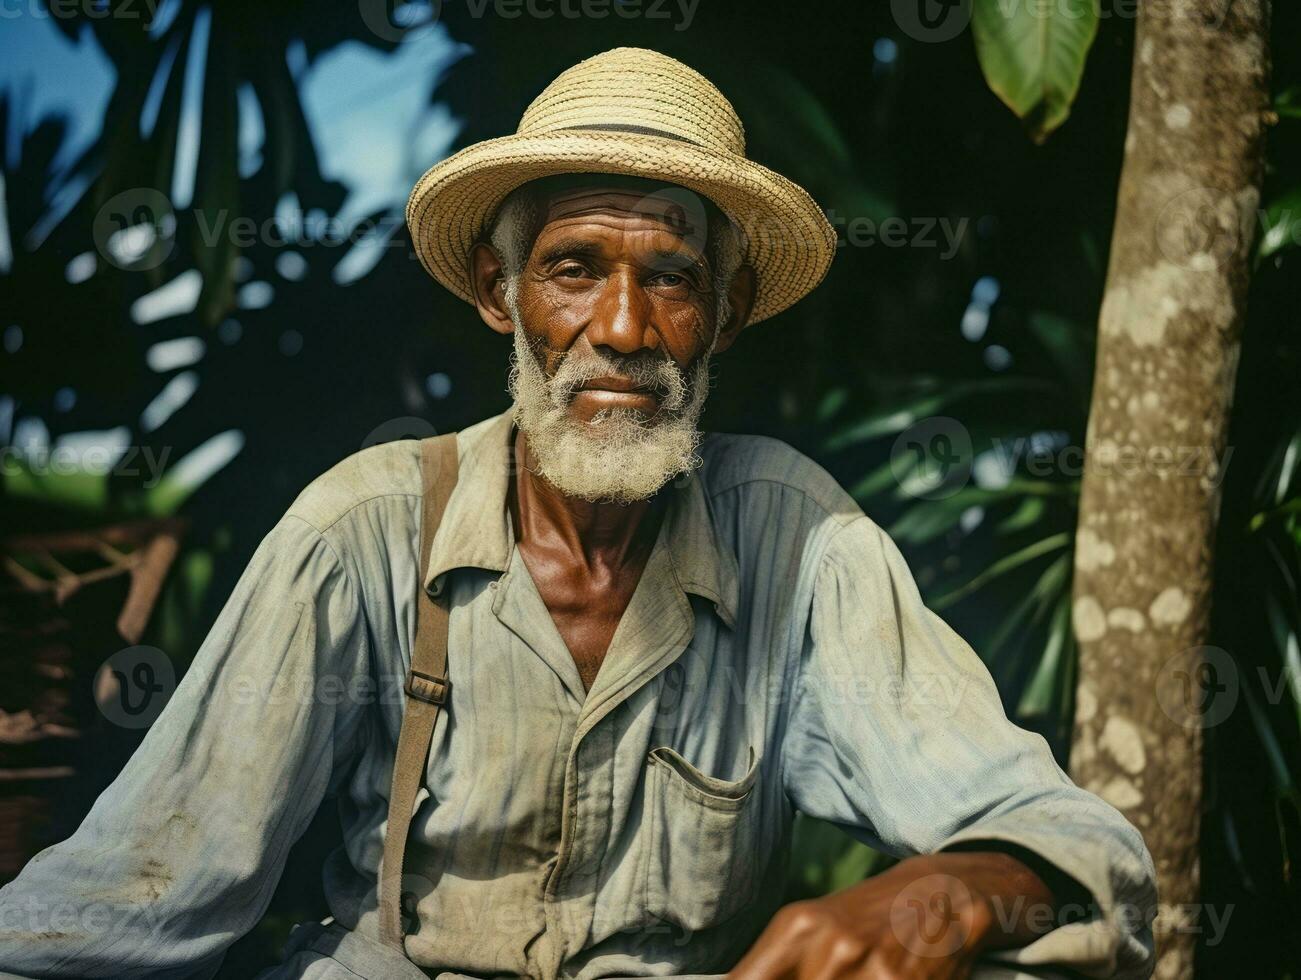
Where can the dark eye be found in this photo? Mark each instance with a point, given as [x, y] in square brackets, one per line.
[571, 271]
[671, 279]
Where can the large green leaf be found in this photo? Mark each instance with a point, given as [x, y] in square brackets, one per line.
[1032, 53]
[825, 859]
[1070, 348]
[1027, 513]
[1006, 653]
[1003, 565]
[1282, 224]
[1288, 102]
[77, 490]
[927, 400]
[1043, 692]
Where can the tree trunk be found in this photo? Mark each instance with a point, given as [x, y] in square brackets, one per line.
[1168, 342]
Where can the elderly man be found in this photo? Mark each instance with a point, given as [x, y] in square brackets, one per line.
[630, 653]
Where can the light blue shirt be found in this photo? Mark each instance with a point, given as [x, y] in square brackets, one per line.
[776, 657]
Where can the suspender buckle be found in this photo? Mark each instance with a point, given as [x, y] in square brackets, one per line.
[410, 919]
[427, 688]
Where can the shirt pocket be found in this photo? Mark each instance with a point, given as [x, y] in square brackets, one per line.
[704, 861]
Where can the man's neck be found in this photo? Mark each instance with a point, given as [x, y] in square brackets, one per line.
[591, 533]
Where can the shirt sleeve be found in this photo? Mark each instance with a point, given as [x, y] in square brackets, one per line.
[180, 855]
[897, 734]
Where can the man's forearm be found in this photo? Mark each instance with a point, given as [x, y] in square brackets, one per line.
[1022, 905]
[928, 916]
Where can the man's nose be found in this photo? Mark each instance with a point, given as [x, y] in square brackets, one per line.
[621, 319]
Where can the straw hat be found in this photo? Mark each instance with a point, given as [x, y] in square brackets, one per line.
[640, 113]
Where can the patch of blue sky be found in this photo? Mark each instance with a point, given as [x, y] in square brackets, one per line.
[49, 74]
[373, 125]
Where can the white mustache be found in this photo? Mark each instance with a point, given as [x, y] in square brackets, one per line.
[660, 375]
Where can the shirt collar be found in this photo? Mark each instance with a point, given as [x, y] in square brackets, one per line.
[476, 530]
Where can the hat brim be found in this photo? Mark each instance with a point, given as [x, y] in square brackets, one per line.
[789, 241]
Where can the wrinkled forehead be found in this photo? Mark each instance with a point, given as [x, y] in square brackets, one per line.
[677, 209]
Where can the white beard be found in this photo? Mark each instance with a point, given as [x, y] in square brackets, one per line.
[621, 454]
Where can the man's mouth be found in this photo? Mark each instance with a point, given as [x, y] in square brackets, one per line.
[612, 391]
[614, 383]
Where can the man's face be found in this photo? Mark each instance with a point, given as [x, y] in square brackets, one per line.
[625, 276]
[615, 315]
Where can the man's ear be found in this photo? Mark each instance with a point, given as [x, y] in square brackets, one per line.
[488, 282]
[740, 298]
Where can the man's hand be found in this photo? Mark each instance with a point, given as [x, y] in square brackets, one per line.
[927, 917]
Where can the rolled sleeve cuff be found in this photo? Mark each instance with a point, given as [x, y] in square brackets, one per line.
[1105, 899]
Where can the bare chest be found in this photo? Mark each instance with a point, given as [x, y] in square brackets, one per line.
[586, 610]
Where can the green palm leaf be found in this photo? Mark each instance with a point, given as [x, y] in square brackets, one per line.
[1033, 56]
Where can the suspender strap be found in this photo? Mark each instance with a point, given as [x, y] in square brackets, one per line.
[427, 689]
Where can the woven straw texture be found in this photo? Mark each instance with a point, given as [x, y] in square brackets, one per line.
[643, 114]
